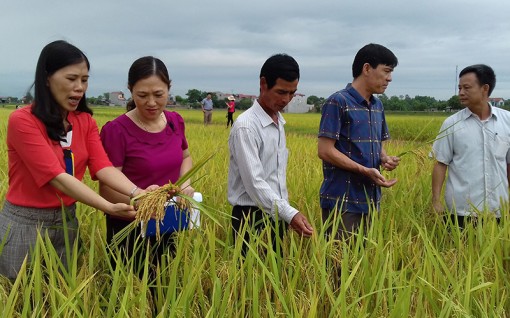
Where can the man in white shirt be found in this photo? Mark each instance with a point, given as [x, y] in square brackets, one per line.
[257, 186]
[474, 148]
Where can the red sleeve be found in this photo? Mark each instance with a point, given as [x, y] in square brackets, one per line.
[98, 159]
[28, 141]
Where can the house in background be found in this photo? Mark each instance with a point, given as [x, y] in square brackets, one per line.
[298, 104]
[497, 101]
[222, 96]
[116, 99]
[171, 101]
[252, 98]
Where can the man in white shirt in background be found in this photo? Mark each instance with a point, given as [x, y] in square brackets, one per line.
[257, 186]
[474, 147]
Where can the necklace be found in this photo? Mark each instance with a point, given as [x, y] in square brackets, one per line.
[142, 125]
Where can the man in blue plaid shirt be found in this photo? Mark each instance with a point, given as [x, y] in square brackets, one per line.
[352, 129]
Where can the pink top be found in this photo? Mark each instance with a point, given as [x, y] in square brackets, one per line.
[35, 159]
[231, 106]
[146, 158]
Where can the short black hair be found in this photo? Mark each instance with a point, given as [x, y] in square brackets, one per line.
[279, 66]
[484, 74]
[373, 54]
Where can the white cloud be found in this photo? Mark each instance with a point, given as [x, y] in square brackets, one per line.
[221, 45]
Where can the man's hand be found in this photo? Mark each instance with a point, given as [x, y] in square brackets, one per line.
[379, 179]
[390, 162]
[300, 224]
[438, 206]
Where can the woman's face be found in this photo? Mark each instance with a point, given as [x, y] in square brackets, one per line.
[68, 85]
[150, 96]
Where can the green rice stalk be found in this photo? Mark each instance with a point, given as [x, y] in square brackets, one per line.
[440, 136]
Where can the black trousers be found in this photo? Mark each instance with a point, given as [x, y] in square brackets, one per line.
[230, 118]
[462, 220]
[348, 223]
[134, 247]
[256, 220]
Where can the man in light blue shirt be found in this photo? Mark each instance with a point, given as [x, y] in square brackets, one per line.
[474, 147]
[207, 107]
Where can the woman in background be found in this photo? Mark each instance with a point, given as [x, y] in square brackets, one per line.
[231, 108]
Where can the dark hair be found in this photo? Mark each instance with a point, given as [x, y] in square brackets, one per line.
[484, 74]
[145, 67]
[373, 54]
[279, 66]
[54, 56]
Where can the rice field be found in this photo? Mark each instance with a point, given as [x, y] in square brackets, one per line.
[408, 264]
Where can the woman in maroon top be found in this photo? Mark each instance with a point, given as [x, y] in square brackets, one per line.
[149, 146]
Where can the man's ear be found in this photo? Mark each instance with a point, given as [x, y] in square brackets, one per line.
[366, 68]
[486, 88]
[263, 82]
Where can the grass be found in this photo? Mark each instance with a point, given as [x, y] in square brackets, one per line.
[409, 264]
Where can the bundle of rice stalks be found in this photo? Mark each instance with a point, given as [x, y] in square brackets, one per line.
[151, 205]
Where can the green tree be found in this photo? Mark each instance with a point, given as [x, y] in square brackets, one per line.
[92, 100]
[244, 103]
[194, 95]
[394, 103]
[454, 102]
[216, 102]
[181, 100]
[441, 105]
[317, 102]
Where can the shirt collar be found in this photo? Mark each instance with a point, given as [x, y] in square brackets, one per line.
[357, 96]
[468, 113]
[264, 118]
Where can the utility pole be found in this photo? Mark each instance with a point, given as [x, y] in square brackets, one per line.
[456, 77]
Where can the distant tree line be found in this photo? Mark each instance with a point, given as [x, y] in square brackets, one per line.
[408, 104]
[102, 99]
[393, 103]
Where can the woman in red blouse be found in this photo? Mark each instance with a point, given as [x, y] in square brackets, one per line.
[50, 145]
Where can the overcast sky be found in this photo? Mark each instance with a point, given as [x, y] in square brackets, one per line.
[220, 45]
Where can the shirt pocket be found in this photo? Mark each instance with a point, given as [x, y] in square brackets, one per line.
[501, 147]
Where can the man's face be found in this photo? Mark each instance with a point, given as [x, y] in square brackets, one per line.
[471, 93]
[276, 98]
[379, 78]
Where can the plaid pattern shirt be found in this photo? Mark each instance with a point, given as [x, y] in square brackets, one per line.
[359, 129]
